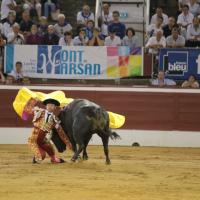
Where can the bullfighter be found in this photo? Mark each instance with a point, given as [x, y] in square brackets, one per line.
[44, 121]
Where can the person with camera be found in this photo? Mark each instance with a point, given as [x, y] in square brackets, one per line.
[15, 37]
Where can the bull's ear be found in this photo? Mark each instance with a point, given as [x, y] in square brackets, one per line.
[60, 145]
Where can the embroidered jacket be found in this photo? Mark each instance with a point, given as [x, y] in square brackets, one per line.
[40, 122]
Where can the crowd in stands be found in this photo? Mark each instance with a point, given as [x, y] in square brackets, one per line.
[36, 22]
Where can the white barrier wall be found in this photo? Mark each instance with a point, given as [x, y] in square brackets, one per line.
[128, 137]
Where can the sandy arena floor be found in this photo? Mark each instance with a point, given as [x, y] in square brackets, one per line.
[135, 174]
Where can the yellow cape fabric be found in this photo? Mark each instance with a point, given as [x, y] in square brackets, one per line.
[24, 95]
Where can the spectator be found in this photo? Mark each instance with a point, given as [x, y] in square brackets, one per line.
[97, 39]
[50, 38]
[67, 39]
[15, 37]
[185, 18]
[105, 19]
[2, 43]
[34, 38]
[89, 28]
[84, 15]
[81, 39]
[62, 26]
[182, 3]
[156, 42]
[17, 73]
[194, 7]
[26, 23]
[43, 26]
[117, 26]
[112, 39]
[161, 81]
[49, 5]
[153, 28]
[7, 6]
[167, 29]
[193, 34]
[159, 13]
[190, 83]
[34, 7]
[130, 39]
[175, 40]
[7, 26]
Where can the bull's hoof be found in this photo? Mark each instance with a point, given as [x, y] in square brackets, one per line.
[85, 157]
[108, 162]
[73, 160]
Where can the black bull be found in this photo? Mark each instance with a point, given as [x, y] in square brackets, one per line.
[80, 120]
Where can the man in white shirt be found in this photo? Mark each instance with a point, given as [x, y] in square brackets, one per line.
[161, 81]
[185, 18]
[193, 33]
[105, 19]
[17, 73]
[156, 42]
[6, 7]
[112, 40]
[62, 26]
[15, 37]
[159, 13]
[175, 40]
[194, 7]
[84, 15]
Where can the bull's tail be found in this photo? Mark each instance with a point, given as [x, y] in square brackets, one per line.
[114, 136]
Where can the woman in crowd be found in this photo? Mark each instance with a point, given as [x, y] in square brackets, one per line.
[190, 83]
[130, 39]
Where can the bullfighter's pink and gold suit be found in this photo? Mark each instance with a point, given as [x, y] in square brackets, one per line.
[39, 141]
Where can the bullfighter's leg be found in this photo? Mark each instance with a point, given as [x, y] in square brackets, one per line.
[47, 147]
[39, 154]
[105, 140]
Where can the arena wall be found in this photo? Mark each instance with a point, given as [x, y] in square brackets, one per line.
[154, 117]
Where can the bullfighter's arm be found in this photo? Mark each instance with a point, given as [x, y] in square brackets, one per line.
[63, 136]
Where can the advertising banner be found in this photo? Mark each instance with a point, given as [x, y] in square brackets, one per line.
[74, 62]
[180, 63]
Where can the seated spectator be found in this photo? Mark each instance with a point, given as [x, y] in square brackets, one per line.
[190, 83]
[159, 13]
[105, 19]
[156, 42]
[81, 39]
[26, 23]
[34, 38]
[43, 26]
[130, 39]
[7, 6]
[15, 37]
[50, 38]
[7, 26]
[67, 39]
[2, 43]
[193, 34]
[62, 26]
[153, 28]
[112, 40]
[97, 39]
[34, 7]
[84, 15]
[161, 81]
[185, 19]
[194, 7]
[175, 40]
[89, 28]
[181, 3]
[16, 74]
[167, 29]
[117, 26]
